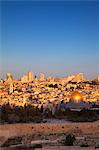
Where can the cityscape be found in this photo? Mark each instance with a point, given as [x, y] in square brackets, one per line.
[50, 101]
[41, 91]
[49, 75]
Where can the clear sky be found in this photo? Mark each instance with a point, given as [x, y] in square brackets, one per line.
[58, 38]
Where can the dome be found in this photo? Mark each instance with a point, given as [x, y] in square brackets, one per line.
[76, 97]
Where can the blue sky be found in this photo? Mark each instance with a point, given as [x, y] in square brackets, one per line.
[58, 38]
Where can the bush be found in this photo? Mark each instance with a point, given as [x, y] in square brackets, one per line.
[83, 116]
[13, 118]
[69, 140]
[84, 145]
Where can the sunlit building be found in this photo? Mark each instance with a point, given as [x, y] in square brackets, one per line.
[11, 88]
[79, 78]
[30, 76]
[42, 77]
[9, 77]
[24, 79]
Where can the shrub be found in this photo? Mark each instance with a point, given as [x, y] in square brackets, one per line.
[69, 140]
[84, 145]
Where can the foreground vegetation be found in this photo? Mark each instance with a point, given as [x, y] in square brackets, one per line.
[30, 113]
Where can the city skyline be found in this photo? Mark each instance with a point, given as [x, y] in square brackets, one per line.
[56, 38]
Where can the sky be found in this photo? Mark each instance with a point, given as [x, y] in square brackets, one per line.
[58, 38]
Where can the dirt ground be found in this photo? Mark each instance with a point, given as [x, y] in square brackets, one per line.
[51, 131]
[9, 130]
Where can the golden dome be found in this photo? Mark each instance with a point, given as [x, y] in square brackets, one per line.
[76, 96]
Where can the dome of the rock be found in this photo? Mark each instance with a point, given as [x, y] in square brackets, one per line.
[76, 97]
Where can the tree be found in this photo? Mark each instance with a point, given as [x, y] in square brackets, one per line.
[69, 140]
